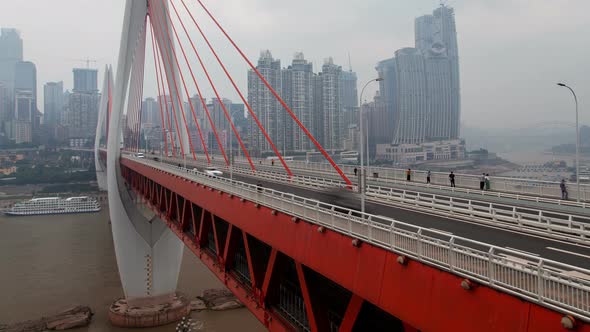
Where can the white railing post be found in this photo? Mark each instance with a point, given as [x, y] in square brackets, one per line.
[491, 276]
[452, 254]
[540, 281]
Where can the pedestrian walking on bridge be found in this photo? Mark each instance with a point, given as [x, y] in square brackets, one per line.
[563, 188]
[482, 181]
[452, 179]
[428, 177]
[409, 175]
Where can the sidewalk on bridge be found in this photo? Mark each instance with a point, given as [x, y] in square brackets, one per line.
[486, 198]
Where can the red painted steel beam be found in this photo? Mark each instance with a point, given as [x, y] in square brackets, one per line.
[352, 311]
[420, 295]
[271, 321]
[306, 298]
[253, 278]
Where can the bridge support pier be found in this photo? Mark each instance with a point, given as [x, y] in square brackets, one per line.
[148, 253]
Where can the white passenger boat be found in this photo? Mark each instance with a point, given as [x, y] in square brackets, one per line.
[54, 205]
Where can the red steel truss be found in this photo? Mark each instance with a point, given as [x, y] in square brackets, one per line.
[417, 294]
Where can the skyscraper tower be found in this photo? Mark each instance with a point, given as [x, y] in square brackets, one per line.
[350, 100]
[11, 52]
[26, 78]
[436, 38]
[332, 105]
[297, 92]
[53, 103]
[421, 85]
[268, 110]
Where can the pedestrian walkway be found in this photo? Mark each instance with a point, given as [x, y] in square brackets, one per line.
[481, 196]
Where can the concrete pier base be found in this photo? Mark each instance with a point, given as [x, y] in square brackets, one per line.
[149, 311]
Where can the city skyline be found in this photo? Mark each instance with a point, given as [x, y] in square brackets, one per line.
[489, 91]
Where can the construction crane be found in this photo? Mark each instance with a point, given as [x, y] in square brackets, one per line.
[87, 61]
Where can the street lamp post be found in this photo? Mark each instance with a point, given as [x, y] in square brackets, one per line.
[577, 139]
[362, 181]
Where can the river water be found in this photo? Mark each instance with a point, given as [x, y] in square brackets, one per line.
[50, 263]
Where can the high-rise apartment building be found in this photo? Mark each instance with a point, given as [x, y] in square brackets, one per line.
[332, 108]
[4, 104]
[53, 93]
[83, 104]
[268, 110]
[350, 98]
[85, 80]
[325, 103]
[150, 110]
[25, 79]
[83, 115]
[24, 115]
[297, 92]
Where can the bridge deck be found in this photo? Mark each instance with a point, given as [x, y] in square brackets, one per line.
[260, 227]
[558, 250]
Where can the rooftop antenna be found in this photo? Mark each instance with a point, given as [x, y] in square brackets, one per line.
[349, 62]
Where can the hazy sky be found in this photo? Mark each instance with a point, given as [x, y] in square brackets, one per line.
[511, 51]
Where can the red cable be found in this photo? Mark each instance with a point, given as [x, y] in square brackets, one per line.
[159, 95]
[315, 142]
[130, 111]
[166, 95]
[227, 115]
[141, 83]
[189, 100]
[170, 91]
[132, 100]
[136, 98]
[250, 111]
[168, 118]
[178, 97]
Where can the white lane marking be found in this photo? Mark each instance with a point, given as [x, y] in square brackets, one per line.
[568, 252]
[524, 252]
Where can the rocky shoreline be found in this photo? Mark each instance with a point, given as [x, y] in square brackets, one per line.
[79, 316]
[216, 300]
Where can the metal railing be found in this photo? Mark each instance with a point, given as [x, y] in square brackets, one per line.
[562, 226]
[517, 186]
[544, 192]
[558, 286]
[548, 224]
[502, 187]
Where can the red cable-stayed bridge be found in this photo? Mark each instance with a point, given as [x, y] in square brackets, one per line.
[424, 259]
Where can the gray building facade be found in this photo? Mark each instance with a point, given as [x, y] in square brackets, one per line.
[268, 110]
[420, 89]
[297, 92]
[53, 102]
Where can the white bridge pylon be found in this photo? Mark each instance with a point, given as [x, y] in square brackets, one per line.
[103, 114]
[148, 252]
